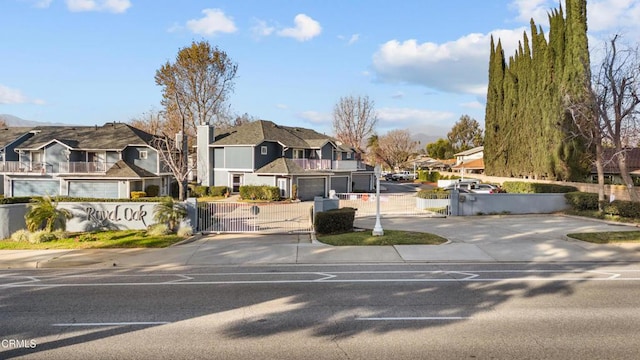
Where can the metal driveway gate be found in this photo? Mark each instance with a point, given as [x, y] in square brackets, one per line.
[240, 217]
[404, 204]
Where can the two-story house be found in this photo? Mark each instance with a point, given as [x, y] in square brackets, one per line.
[264, 153]
[108, 161]
[470, 161]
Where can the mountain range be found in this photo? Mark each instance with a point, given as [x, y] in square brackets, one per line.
[14, 121]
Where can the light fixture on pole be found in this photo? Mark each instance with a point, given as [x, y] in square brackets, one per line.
[377, 229]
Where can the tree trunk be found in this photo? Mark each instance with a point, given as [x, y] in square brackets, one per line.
[600, 170]
[181, 191]
[626, 178]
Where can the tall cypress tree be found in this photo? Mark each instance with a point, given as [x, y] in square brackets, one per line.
[527, 130]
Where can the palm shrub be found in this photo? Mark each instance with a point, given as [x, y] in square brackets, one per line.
[169, 212]
[43, 214]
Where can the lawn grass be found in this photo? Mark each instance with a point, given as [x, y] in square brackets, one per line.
[608, 237]
[390, 237]
[98, 240]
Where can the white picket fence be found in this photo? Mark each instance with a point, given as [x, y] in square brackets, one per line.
[404, 204]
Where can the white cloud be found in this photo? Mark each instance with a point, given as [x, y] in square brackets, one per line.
[261, 28]
[305, 28]
[42, 4]
[14, 96]
[316, 117]
[413, 119]
[458, 66]
[473, 105]
[536, 9]
[352, 39]
[214, 21]
[114, 6]
[613, 14]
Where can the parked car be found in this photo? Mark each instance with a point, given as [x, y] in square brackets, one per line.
[403, 175]
[486, 189]
[460, 190]
[388, 176]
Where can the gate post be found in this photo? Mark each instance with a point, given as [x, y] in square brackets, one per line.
[192, 213]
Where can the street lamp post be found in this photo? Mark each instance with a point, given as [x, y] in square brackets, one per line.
[377, 229]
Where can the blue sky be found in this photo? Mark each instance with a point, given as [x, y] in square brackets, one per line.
[423, 62]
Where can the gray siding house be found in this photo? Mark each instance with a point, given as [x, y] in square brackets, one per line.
[263, 153]
[108, 161]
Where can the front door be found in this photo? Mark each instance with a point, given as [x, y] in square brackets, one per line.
[282, 184]
[236, 183]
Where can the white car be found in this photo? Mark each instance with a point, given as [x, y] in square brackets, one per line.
[485, 189]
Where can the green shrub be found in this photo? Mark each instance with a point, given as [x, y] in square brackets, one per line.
[199, 190]
[138, 194]
[260, 192]
[158, 230]
[520, 187]
[60, 234]
[185, 231]
[627, 209]
[41, 236]
[152, 190]
[582, 200]
[334, 221]
[218, 190]
[16, 200]
[294, 191]
[21, 235]
[437, 193]
[87, 237]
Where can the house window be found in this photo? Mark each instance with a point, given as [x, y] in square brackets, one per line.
[348, 155]
[298, 154]
[263, 150]
[143, 154]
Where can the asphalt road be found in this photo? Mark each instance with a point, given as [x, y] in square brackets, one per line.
[438, 311]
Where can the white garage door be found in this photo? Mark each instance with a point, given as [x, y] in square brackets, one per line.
[310, 188]
[35, 187]
[94, 189]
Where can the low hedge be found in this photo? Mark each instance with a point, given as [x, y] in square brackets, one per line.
[582, 200]
[260, 192]
[623, 208]
[152, 190]
[519, 187]
[218, 190]
[427, 176]
[198, 190]
[334, 221]
[437, 193]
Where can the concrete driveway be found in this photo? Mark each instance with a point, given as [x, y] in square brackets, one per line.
[509, 238]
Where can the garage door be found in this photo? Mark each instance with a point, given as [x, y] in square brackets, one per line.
[310, 188]
[94, 189]
[340, 184]
[361, 182]
[35, 187]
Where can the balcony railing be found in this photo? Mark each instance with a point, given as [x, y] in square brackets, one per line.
[348, 165]
[313, 164]
[320, 164]
[75, 167]
[25, 167]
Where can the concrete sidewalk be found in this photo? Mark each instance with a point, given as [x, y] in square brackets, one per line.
[527, 238]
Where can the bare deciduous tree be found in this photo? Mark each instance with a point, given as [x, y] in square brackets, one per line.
[608, 116]
[354, 120]
[396, 147]
[616, 85]
[195, 89]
